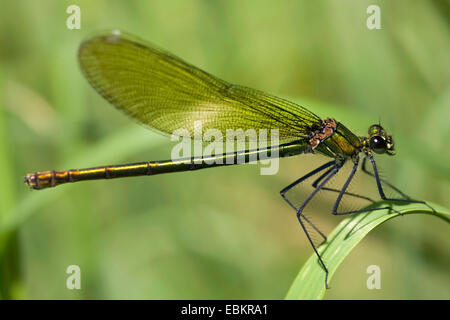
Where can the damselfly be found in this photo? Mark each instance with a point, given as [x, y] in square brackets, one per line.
[166, 93]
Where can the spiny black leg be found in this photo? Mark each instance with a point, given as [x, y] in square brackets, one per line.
[306, 176]
[342, 192]
[296, 182]
[314, 184]
[381, 192]
[350, 194]
[300, 215]
[364, 169]
[306, 219]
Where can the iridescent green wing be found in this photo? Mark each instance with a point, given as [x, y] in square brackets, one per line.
[165, 93]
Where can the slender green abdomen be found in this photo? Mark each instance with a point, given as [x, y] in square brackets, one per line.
[48, 179]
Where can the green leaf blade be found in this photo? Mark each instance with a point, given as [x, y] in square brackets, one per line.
[310, 281]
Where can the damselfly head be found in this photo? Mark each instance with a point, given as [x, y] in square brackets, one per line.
[379, 141]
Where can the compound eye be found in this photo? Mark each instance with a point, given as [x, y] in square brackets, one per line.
[378, 144]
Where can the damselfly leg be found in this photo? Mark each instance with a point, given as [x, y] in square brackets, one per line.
[379, 182]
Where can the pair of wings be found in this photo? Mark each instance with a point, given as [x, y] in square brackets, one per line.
[166, 93]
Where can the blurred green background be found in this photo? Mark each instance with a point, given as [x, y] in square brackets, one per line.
[224, 232]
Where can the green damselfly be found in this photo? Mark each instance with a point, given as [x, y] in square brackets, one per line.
[166, 93]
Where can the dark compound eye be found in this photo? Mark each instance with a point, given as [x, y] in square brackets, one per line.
[378, 144]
